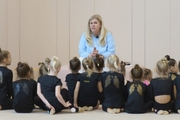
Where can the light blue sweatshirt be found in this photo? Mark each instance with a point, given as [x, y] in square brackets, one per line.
[85, 49]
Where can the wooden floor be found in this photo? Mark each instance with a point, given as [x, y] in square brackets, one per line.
[98, 114]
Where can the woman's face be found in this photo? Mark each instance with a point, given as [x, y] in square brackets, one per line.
[95, 26]
[8, 59]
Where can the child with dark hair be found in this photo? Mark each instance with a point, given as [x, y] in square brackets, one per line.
[24, 89]
[137, 93]
[167, 57]
[113, 82]
[44, 67]
[173, 70]
[87, 88]
[146, 76]
[6, 76]
[99, 65]
[122, 68]
[72, 78]
[161, 89]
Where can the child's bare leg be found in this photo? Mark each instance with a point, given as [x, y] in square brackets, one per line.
[98, 103]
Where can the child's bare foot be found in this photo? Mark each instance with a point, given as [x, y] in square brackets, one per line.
[89, 108]
[165, 112]
[160, 112]
[52, 111]
[178, 111]
[85, 108]
[81, 109]
[116, 110]
[111, 111]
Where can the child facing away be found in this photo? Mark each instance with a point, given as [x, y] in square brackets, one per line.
[88, 87]
[173, 74]
[161, 89]
[113, 82]
[137, 93]
[147, 76]
[6, 76]
[72, 78]
[99, 65]
[44, 67]
[24, 89]
[50, 92]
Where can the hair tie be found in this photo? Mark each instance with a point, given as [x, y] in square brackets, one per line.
[98, 64]
[20, 65]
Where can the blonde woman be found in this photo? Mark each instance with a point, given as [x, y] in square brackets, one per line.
[96, 39]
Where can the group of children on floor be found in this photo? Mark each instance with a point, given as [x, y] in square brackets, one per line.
[87, 90]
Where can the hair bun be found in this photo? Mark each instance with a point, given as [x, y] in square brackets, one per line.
[40, 63]
[136, 66]
[47, 60]
[20, 64]
[164, 59]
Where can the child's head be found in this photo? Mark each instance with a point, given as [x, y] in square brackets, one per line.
[162, 67]
[173, 66]
[75, 65]
[87, 64]
[147, 74]
[99, 63]
[23, 70]
[55, 65]
[136, 72]
[5, 57]
[122, 68]
[113, 62]
[44, 67]
[167, 57]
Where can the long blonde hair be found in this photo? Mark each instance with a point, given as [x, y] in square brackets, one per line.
[102, 39]
[162, 67]
[113, 62]
[87, 64]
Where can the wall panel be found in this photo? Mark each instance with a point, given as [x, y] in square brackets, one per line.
[3, 26]
[175, 29]
[80, 12]
[138, 48]
[117, 19]
[13, 31]
[157, 31]
[38, 37]
[63, 43]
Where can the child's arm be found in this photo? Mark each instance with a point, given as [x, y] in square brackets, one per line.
[76, 91]
[60, 98]
[100, 86]
[39, 93]
[175, 92]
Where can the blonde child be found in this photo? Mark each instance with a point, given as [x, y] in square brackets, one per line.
[113, 82]
[49, 89]
[87, 88]
[161, 89]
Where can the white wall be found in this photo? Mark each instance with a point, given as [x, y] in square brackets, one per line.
[144, 30]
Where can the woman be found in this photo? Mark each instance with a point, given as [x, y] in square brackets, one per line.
[96, 40]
